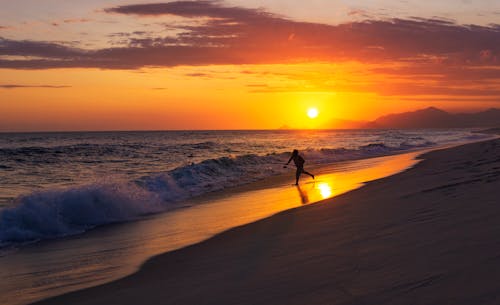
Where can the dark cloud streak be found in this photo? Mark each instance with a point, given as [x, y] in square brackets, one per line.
[16, 86]
[38, 48]
[191, 9]
[77, 20]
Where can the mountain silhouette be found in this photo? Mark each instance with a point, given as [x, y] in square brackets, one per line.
[436, 118]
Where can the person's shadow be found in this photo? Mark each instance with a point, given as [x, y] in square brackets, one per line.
[303, 195]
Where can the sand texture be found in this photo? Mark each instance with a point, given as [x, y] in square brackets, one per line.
[430, 235]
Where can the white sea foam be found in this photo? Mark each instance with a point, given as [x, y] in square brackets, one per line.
[57, 213]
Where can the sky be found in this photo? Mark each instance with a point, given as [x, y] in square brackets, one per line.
[241, 64]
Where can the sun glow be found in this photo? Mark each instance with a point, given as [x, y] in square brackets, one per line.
[312, 113]
[325, 190]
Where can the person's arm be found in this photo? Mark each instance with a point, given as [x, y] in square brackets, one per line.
[289, 160]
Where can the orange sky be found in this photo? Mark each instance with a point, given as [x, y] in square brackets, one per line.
[243, 68]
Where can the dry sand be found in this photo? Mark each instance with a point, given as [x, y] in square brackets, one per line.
[430, 235]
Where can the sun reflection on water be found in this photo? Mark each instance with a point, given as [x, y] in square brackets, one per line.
[324, 189]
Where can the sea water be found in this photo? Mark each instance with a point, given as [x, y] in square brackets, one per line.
[59, 184]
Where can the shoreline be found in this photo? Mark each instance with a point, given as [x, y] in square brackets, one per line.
[111, 252]
[306, 252]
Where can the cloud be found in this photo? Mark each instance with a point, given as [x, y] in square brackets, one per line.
[234, 35]
[198, 74]
[190, 9]
[50, 50]
[358, 13]
[77, 20]
[258, 85]
[415, 90]
[69, 21]
[16, 86]
[479, 99]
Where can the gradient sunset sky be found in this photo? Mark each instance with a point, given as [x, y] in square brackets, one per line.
[138, 65]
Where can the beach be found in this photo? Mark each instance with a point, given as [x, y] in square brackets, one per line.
[249, 152]
[428, 235]
[82, 209]
[104, 254]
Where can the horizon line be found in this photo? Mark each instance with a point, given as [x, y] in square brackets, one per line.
[200, 130]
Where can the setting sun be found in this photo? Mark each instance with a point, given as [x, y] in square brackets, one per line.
[312, 113]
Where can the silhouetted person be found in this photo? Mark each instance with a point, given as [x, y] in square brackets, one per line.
[299, 163]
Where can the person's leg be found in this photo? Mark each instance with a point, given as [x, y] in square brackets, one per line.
[308, 173]
[297, 175]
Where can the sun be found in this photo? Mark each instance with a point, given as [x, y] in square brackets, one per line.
[312, 113]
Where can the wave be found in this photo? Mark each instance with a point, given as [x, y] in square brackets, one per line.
[93, 149]
[62, 212]
[476, 136]
[58, 213]
[52, 155]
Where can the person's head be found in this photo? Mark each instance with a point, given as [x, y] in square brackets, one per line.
[295, 152]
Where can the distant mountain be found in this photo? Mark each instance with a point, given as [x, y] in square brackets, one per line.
[436, 118]
[487, 118]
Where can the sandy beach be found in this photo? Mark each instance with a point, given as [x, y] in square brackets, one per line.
[428, 235]
[199, 152]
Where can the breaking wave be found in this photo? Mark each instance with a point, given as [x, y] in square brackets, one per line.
[62, 212]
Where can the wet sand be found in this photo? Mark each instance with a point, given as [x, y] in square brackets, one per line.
[429, 235]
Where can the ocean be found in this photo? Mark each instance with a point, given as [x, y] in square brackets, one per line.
[60, 184]
[144, 193]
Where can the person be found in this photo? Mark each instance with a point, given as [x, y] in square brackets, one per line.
[299, 163]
